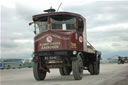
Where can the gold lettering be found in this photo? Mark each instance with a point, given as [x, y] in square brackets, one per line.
[49, 45]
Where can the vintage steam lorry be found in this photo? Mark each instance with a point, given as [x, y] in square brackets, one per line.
[61, 42]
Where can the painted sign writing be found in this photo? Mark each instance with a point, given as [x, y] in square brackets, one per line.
[53, 45]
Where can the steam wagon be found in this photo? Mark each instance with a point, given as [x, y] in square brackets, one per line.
[61, 42]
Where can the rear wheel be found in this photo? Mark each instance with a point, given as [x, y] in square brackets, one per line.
[91, 70]
[94, 68]
[38, 74]
[65, 71]
[77, 67]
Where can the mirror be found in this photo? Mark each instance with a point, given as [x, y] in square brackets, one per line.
[31, 23]
[34, 32]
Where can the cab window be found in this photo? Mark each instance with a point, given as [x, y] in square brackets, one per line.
[63, 22]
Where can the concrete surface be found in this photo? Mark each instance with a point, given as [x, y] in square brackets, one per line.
[111, 74]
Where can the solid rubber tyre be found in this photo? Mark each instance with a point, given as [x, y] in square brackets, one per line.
[38, 74]
[77, 68]
[91, 69]
[65, 71]
[94, 68]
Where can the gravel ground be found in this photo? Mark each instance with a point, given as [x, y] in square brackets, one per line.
[111, 74]
[123, 81]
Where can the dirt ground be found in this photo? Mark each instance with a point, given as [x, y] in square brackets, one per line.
[123, 81]
[110, 74]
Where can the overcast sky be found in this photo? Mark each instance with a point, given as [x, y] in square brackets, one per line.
[107, 24]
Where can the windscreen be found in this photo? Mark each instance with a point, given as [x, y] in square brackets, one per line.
[57, 22]
[42, 24]
[63, 22]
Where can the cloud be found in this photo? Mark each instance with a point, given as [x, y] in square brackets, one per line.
[16, 36]
[102, 13]
[16, 48]
[107, 25]
[110, 28]
[7, 14]
[24, 12]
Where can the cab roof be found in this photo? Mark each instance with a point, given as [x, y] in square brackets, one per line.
[36, 17]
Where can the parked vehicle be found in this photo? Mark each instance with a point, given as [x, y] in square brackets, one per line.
[1, 64]
[61, 42]
[11, 63]
[122, 60]
[28, 64]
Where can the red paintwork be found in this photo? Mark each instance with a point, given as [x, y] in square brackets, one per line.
[61, 39]
[36, 17]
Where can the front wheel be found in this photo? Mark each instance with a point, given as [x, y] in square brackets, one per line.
[77, 68]
[38, 74]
